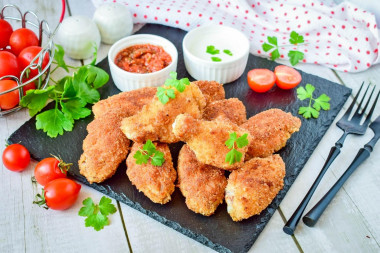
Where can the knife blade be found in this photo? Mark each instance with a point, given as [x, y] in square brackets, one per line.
[311, 218]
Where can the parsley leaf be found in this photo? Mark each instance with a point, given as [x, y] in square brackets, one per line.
[96, 77]
[315, 104]
[275, 54]
[53, 122]
[97, 214]
[75, 108]
[295, 38]
[163, 94]
[216, 59]
[36, 100]
[141, 158]
[58, 56]
[295, 57]
[228, 52]
[106, 207]
[212, 50]
[149, 150]
[234, 155]
[266, 47]
[322, 102]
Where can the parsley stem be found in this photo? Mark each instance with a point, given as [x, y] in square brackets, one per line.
[69, 66]
[56, 67]
[294, 45]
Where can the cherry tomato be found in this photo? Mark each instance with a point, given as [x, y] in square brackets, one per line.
[16, 157]
[22, 38]
[8, 64]
[10, 99]
[5, 33]
[50, 169]
[27, 55]
[61, 193]
[287, 77]
[261, 80]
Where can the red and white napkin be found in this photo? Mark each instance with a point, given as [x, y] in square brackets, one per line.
[342, 37]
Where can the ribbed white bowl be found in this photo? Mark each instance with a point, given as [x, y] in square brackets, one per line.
[199, 64]
[127, 81]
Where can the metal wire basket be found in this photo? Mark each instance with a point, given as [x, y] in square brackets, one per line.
[41, 80]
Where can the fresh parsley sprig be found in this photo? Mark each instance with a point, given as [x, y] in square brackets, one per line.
[149, 151]
[97, 214]
[71, 94]
[315, 104]
[168, 92]
[294, 55]
[233, 155]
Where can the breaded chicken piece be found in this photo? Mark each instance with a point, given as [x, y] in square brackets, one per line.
[128, 102]
[154, 121]
[212, 90]
[253, 187]
[156, 182]
[270, 130]
[232, 109]
[104, 148]
[207, 139]
[202, 185]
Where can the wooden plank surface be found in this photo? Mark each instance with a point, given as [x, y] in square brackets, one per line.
[350, 223]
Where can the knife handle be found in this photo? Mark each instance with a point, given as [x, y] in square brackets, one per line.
[311, 218]
[290, 226]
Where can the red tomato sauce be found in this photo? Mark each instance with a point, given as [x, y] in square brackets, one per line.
[143, 58]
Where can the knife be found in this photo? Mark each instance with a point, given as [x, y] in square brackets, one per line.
[311, 218]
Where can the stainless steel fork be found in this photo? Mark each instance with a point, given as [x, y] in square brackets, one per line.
[349, 126]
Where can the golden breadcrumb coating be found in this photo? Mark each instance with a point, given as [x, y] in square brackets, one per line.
[232, 109]
[105, 146]
[156, 182]
[253, 187]
[207, 139]
[212, 90]
[270, 130]
[202, 185]
[154, 121]
[125, 103]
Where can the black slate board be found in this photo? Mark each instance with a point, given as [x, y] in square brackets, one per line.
[218, 231]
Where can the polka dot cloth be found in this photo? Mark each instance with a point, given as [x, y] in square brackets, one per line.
[342, 37]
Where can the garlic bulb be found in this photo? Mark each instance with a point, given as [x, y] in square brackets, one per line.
[114, 22]
[77, 35]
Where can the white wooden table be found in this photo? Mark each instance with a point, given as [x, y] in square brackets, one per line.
[350, 224]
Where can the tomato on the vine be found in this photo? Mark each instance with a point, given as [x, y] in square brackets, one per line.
[59, 194]
[10, 99]
[287, 77]
[27, 55]
[50, 169]
[5, 33]
[16, 157]
[8, 64]
[22, 38]
[261, 80]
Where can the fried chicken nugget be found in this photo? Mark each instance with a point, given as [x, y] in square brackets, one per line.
[202, 185]
[207, 139]
[156, 182]
[105, 146]
[125, 103]
[253, 187]
[232, 109]
[212, 90]
[270, 131]
[154, 121]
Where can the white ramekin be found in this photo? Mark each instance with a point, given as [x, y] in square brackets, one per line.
[127, 81]
[229, 69]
